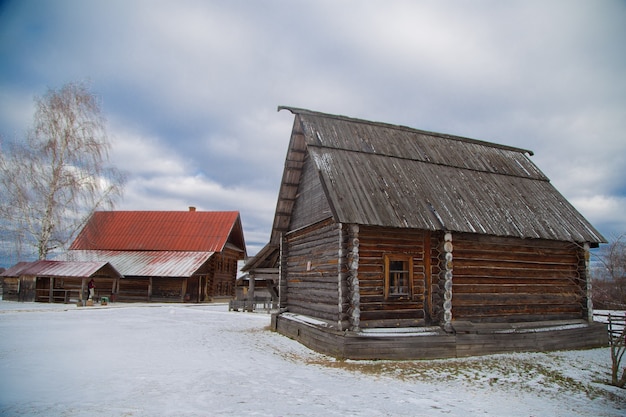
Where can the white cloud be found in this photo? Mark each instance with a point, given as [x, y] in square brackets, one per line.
[16, 112]
[159, 179]
[141, 155]
[604, 211]
[191, 87]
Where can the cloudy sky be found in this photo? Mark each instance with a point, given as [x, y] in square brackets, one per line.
[190, 88]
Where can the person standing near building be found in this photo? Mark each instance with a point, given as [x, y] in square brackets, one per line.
[92, 289]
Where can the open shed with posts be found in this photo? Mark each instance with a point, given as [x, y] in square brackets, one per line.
[58, 281]
[166, 256]
[258, 287]
[394, 242]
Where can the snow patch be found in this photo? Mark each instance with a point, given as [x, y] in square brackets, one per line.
[197, 360]
[402, 331]
[542, 329]
[304, 319]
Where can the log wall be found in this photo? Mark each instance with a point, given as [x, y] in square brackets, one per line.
[310, 272]
[494, 279]
[513, 280]
[10, 286]
[167, 289]
[374, 243]
[436, 284]
[134, 290]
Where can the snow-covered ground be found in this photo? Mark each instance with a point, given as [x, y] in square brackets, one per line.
[201, 360]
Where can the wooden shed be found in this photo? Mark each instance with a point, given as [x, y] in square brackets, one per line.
[166, 256]
[57, 281]
[394, 242]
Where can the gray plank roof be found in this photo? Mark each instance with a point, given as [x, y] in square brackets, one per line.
[395, 176]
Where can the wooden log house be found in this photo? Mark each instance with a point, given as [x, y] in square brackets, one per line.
[166, 256]
[58, 281]
[392, 242]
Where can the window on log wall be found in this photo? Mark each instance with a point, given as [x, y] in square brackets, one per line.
[398, 277]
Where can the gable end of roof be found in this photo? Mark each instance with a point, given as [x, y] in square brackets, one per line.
[393, 176]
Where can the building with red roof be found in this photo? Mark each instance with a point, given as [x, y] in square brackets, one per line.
[166, 256]
[56, 281]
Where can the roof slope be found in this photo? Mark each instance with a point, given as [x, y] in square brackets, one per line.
[175, 264]
[394, 176]
[57, 268]
[192, 231]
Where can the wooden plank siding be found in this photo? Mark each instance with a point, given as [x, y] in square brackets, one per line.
[311, 204]
[513, 280]
[472, 341]
[223, 273]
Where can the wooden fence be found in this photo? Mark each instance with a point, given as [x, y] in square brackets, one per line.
[252, 305]
[616, 319]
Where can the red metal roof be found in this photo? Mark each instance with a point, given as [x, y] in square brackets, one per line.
[146, 263]
[58, 268]
[199, 231]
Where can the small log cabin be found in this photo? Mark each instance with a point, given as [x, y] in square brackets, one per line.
[392, 242]
[165, 256]
[58, 281]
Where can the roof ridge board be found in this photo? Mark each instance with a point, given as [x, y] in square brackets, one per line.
[541, 177]
[296, 110]
[168, 211]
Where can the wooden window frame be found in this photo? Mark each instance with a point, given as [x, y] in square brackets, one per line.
[391, 275]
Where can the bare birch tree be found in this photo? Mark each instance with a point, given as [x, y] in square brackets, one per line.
[617, 343]
[610, 293]
[610, 275]
[59, 175]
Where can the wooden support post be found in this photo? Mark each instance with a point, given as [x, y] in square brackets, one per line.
[353, 279]
[447, 270]
[82, 289]
[588, 284]
[251, 285]
[183, 290]
[51, 292]
[282, 279]
[340, 277]
[428, 280]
